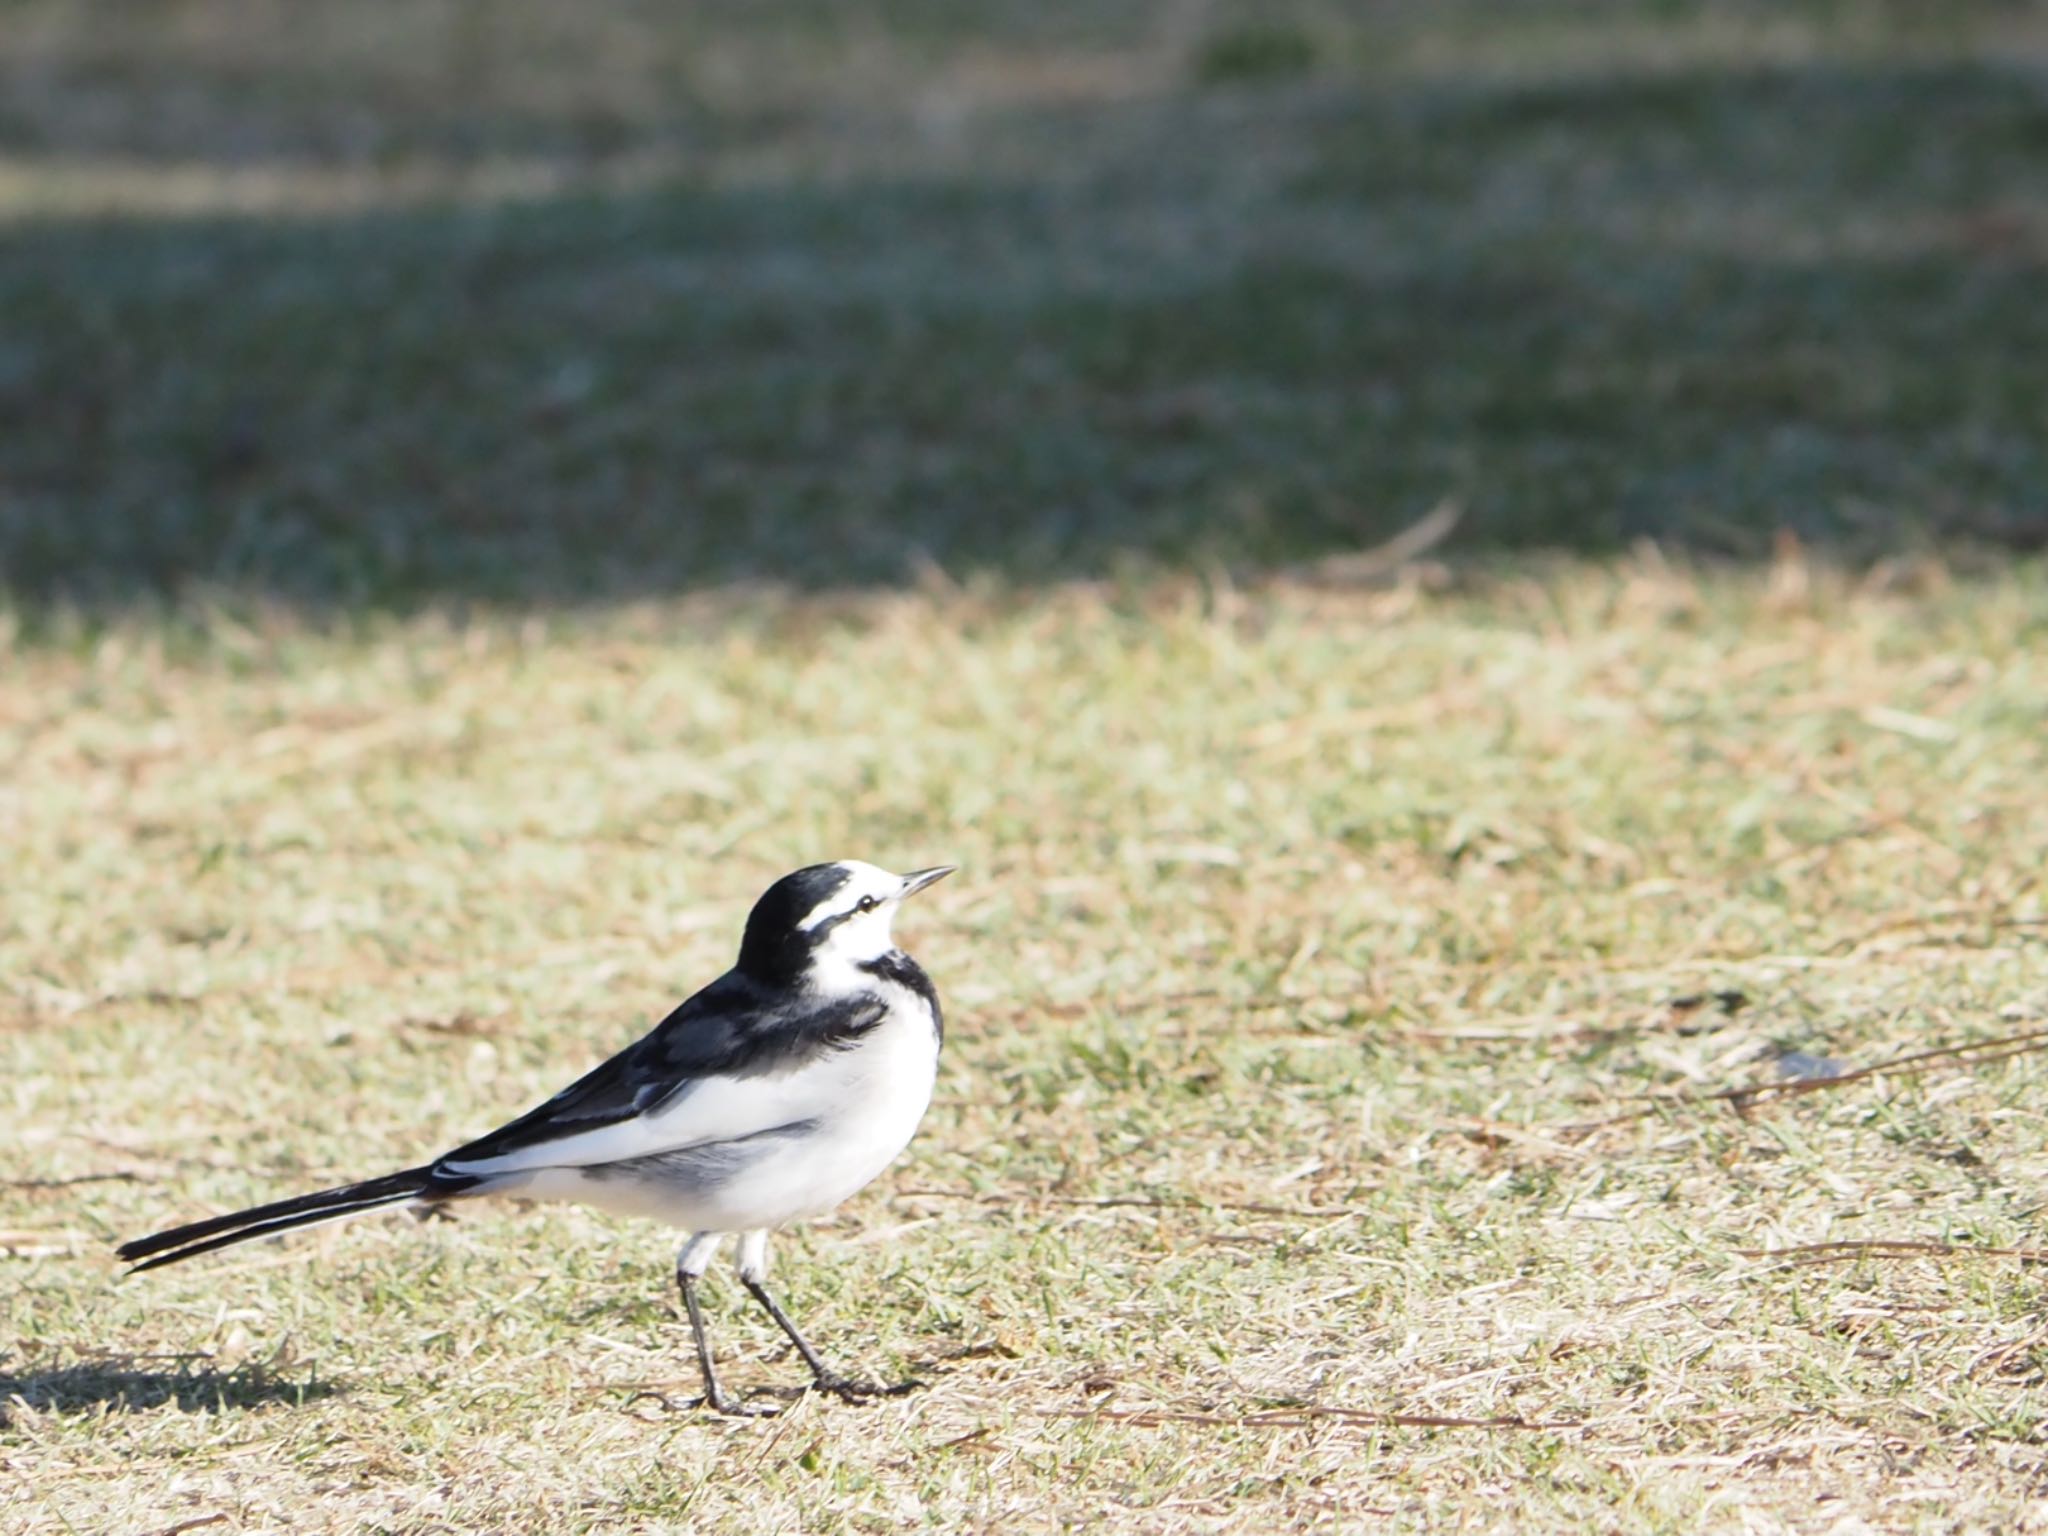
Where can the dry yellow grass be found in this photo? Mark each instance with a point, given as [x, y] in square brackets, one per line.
[1335, 981]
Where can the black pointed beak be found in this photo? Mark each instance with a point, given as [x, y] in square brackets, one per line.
[917, 880]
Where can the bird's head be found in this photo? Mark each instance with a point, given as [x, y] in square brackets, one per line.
[827, 917]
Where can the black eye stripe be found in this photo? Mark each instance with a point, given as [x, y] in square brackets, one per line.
[865, 905]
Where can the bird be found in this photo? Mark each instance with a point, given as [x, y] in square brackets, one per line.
[767, 1098]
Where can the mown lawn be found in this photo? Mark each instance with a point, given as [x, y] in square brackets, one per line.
[480, 496]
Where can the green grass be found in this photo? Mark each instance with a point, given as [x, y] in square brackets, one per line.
[481, 495]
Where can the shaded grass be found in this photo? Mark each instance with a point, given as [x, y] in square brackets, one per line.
[1017, 303]
[128, 1385]
[1314, 954]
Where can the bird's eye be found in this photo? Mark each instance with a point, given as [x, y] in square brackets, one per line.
[866, 904]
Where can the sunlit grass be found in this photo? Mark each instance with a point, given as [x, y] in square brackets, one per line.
[1312, 958]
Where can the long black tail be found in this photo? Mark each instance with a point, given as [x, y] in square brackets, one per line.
[199, 1237]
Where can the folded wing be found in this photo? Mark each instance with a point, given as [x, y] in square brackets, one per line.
[730, 1062]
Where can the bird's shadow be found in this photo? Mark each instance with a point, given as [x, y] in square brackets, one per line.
[130, 1384]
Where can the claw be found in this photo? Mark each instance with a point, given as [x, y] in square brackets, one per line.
[737, 1408]
[847, 1389]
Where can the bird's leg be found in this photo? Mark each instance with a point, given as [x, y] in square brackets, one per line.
[714, 1395]
[753, 1274]
[828, 1379]
[690, 1266]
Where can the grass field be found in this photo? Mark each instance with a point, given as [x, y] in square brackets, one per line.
[482, 492]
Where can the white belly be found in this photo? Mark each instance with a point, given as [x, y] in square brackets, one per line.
[863, 1105]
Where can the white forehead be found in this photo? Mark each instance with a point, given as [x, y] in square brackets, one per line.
[861, 880]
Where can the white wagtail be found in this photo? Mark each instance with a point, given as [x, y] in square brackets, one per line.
[771, 1096]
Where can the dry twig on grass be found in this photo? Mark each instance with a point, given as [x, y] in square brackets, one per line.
[1890, 1248]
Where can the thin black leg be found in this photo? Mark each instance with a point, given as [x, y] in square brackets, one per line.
[714, 1395]
[803, 1345]
[828, 1380]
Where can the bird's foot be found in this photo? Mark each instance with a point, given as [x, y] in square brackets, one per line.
[850, 1390]
[737, 1408]
[717, 1403]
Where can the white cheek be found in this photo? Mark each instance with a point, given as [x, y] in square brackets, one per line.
[865, 937]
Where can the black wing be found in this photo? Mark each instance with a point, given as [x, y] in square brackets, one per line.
[733, 1028]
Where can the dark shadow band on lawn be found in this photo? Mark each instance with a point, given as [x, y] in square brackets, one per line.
[1698, 305]
[132, 1384]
